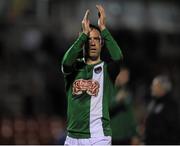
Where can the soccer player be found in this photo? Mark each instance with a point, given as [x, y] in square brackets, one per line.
[89, 83]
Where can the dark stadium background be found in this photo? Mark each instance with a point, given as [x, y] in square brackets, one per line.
[34, 35]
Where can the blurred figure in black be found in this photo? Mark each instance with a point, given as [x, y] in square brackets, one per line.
[162, 123]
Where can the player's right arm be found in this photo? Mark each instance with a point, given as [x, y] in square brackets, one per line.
[73, 52]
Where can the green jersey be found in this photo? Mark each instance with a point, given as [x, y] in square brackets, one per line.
[89, 89]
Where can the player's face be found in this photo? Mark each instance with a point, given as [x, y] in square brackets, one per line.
[94, 42]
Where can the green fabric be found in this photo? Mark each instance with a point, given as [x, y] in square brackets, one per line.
[79, 106]
[73, 52]
[112, 45]
[108, 93]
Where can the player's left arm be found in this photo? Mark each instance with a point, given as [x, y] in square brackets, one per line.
[111, 45]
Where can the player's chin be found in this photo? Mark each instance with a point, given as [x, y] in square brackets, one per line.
[94, 56]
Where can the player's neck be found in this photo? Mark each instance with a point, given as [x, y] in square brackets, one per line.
[93, 61]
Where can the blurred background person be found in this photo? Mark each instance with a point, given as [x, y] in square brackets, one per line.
[162, 124]
[124, 125]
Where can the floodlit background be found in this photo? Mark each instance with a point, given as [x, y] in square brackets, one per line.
[34, 35]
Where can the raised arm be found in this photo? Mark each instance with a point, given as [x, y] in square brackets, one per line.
[111, 44]
[73, 52]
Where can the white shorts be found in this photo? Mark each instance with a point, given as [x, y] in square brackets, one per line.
[105, 140]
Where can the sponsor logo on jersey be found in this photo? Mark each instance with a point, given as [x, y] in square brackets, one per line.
[91, 87]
